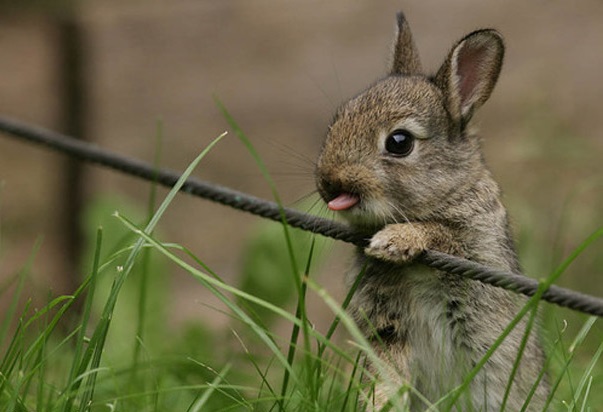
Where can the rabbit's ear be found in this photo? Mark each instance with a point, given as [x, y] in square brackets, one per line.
[470, 72]
[406, 57]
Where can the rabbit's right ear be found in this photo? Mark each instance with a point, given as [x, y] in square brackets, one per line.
[470, 72]
[406, 56]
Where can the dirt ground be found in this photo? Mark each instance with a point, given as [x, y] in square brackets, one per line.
[281, 68]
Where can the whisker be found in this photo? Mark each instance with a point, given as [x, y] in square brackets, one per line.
[306, 197]
[322, 211]
[403, 215]
[291, 152]
[399, 212]
[331, 105]
[293, 176]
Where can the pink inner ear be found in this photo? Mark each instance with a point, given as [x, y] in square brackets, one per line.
[469, 71]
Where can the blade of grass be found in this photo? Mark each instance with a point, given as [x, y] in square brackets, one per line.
[580, 337]
[210, 278]
[79, 362]
[104, 404]
[39, 367]
[40, 384]
[212, 284]
[564, 353]
[532, 302]
[202, 400]
[335, 323]
[351, 388]
[264, 170]
[209, 282]
[586, 376]
[344, 306]
[227, 389]
[146, 256]
[359, 339]
[22, 275]
[98, 339]
[300, 313]
[541, 375]
[263, 374]
[333, 385]
[292, 258]
[244, 303]
[308, 359]
[520, 352]
[455, 394]
[301, 287]
[13, 352]
[16, 404]
[34, 349]
[590, 382]
[36, 369]
[34, 359]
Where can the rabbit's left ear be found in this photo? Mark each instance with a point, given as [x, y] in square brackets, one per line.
[406, 57]
[470, 72]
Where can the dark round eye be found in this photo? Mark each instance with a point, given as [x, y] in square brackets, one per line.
[400, 143]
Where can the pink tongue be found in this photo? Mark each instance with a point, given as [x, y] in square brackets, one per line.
[343, 201]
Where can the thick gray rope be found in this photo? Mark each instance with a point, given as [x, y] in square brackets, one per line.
[242, 201]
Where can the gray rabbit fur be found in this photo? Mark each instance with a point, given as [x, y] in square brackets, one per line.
[401, 161]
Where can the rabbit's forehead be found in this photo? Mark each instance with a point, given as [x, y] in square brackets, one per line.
[395, 102]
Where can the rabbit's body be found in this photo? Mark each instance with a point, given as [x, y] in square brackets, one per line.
[434, 327]
[400, 161]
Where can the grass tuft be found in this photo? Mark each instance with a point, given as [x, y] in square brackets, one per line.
[120, 355]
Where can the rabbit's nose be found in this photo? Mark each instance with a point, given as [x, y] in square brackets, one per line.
[329, 187]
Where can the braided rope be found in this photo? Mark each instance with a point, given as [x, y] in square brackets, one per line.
[270, 210]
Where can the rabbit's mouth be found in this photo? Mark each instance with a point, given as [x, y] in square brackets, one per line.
[343, 201]
[363, 213]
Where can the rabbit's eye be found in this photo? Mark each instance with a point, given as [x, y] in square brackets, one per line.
[400, 143]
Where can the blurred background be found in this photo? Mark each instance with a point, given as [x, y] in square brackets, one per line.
[118, 73]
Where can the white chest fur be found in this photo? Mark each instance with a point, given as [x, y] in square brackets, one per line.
[408, 314]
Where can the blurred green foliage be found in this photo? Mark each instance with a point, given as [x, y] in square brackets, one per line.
[266, 268]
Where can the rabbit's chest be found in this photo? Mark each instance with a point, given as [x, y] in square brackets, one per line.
[408, 308]
[398, 301]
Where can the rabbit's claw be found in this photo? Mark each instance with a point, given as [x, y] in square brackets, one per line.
[398, 243]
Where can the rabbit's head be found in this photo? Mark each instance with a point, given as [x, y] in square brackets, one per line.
[401, 150]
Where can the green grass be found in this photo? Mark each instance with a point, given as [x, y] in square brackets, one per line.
[119, 352]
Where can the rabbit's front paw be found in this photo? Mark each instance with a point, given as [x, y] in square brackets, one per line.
[397, 243]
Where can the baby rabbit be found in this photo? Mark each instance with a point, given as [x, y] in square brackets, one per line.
[401, 161]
